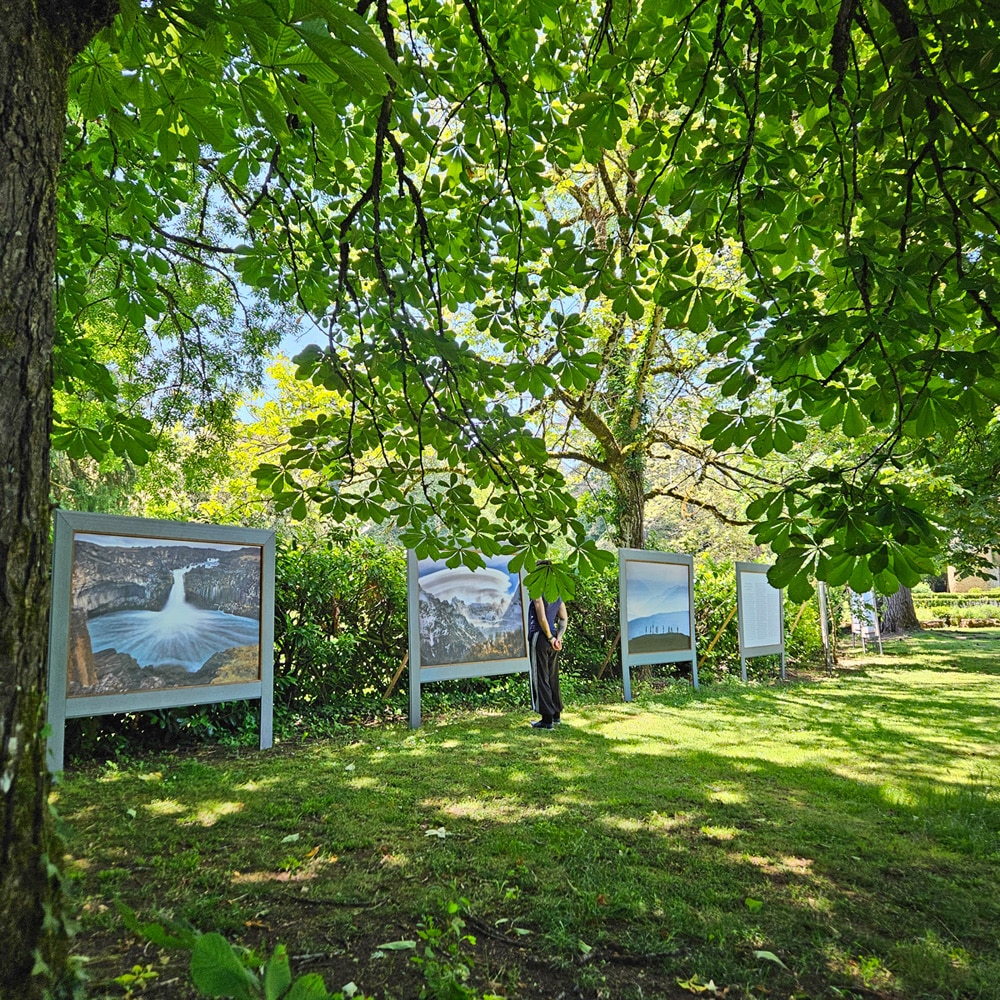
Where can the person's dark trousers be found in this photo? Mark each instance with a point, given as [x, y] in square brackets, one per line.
[544, 660]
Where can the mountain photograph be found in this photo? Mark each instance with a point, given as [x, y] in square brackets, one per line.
[469, 616]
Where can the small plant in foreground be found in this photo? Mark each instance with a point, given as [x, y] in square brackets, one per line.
[219, 970]
[444, 961]
[136, 980]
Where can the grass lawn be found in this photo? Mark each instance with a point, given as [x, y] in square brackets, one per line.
[831, 837]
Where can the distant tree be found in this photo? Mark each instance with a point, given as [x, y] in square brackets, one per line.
[898, 612]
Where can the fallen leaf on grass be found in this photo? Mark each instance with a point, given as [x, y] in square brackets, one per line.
[694, 985]
[770, 956]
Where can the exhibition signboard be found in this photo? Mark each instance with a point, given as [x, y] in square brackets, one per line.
[463, 623]
[656, 591]
[760, 614]
[150, 614]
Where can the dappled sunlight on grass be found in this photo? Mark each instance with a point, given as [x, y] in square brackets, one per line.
[728, 796]
[721, 832]
[258, 786]
[165, 807]
[850, 826]
[359, 782]
[489, 810]
[209, 814]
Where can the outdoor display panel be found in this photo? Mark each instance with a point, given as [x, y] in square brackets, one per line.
[760, 615]
[864, 618]
[656, 591]
[151, 614]
[463, 623]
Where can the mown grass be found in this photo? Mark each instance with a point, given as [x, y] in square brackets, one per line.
[848, 827]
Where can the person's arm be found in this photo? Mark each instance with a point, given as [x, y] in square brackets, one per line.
[543, 622]
[562, 622]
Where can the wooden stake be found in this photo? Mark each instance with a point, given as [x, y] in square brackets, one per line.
[802, 608]
[722, 628]
[611, 652]
[392, 683]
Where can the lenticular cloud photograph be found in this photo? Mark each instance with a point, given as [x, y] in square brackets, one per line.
[469, 616]
[150, 613]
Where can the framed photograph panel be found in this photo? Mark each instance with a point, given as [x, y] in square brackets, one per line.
[864, 618]
[656, 597]
[760, 614]
[463, 623]
[153, 614]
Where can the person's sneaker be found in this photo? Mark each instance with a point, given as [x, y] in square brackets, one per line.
[556, 720]
[541, 724]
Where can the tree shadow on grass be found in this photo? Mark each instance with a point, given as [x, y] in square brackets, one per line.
[852, 858]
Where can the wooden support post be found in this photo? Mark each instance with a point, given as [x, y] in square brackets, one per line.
[722, 628]
[396, 676]
[607, 659]
[802, 608]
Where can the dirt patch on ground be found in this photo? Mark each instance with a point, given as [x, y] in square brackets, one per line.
[499, 965]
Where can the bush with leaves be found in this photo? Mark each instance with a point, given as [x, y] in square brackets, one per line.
[340, 620]
[594, 624]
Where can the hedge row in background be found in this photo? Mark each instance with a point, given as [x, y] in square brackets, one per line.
[341, 636]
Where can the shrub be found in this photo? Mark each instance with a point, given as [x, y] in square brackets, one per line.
[340, 620]
[594, 623]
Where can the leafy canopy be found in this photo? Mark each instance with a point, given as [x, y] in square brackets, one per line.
[380, 169]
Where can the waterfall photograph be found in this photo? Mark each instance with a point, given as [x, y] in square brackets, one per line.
[155, 613]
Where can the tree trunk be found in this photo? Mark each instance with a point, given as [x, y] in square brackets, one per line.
[628, 486]
[38, 42]
[899, 613]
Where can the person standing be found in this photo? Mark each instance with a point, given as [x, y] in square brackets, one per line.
[547, 622]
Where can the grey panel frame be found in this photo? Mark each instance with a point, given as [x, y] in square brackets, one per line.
[747, 652]
[61, 707]
[630, 660]
[419, 675]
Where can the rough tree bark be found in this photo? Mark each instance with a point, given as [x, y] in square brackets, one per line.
[629, 490]
[38, 43]
[899, 613]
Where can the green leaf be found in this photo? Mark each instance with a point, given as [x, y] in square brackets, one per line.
[770, 957]
[277, 974]
[800, 589]
[861, 577]
[258, 99]
[167, 936]
[854, 422]
[217, 972]
[308, 987]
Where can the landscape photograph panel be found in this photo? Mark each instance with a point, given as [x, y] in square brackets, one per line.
[469, 616]
[658, 606]
[156, 613]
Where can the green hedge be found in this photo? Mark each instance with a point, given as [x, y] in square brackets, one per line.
[971, 599]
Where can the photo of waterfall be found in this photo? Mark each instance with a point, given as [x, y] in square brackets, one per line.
[155, 613]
